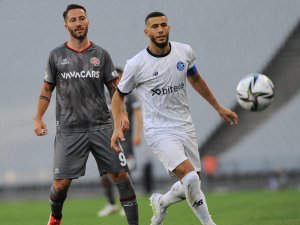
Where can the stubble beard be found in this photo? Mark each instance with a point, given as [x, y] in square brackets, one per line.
[160, 45]
[79, 37]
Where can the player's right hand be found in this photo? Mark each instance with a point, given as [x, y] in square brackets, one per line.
[116, 136]
[40, 128]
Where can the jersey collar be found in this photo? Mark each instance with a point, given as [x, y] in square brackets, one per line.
[160, 56]
[83, 50]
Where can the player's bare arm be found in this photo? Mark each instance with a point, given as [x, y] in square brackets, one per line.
[201, 87]
[137, 138]
[40, 128]
[112, 87]
[117, 108]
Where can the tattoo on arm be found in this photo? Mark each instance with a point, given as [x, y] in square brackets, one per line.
[45, 98]
[112, 87]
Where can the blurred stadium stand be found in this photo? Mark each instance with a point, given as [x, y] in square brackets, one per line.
[231, 39]
[266, 141]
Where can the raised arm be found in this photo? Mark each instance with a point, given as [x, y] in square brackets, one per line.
[201, 87]
[40, 128]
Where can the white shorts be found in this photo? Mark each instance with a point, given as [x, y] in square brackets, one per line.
[174, 147]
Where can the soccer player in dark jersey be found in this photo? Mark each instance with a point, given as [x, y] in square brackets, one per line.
[79, 69]
[133, 138]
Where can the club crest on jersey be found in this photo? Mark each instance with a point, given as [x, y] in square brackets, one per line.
[95, 61]
[180, 66]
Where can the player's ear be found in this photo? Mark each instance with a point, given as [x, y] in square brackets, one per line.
[66, 27]
[146, 31]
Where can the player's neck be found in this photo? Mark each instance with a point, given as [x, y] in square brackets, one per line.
[159, 51]
[78, 45]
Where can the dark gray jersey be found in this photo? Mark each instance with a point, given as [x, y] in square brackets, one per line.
[79, 78]
[131, 101]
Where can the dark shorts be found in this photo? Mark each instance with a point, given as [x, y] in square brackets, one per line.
[71, 151]
[127, 145]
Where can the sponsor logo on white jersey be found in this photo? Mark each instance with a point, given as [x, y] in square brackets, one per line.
[167, 90]
[81, 74]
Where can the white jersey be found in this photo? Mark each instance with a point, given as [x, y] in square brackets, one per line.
[161, 85]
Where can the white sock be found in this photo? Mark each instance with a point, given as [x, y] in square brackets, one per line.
[175, 194]
[195, 197]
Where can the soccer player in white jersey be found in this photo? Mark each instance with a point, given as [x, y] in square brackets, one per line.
[159, 74]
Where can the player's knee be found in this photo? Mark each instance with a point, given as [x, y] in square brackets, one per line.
[117, 178]
[183, 169]
[58, 193]
[61, 185]
[191, 177]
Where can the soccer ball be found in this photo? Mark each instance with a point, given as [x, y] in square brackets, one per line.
[255, 92]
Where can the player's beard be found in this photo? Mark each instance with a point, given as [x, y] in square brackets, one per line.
[81, 36]
[162, 44]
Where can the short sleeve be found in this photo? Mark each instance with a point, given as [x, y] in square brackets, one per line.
[109, 70]
[191, 57]
[128, 81]
[51, 71]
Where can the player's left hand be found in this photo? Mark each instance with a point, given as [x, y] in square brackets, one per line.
[114, 141]
[229, 116]
[125, 125]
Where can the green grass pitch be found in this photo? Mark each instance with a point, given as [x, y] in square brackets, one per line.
[233, 208]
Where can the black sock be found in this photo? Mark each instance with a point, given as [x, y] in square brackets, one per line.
[128, 201]
[56, 202]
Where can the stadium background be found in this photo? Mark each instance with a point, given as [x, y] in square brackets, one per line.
[231, 39]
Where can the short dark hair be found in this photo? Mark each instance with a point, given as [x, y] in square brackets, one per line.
[119, 70]
[72, 6]
[154, 14]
